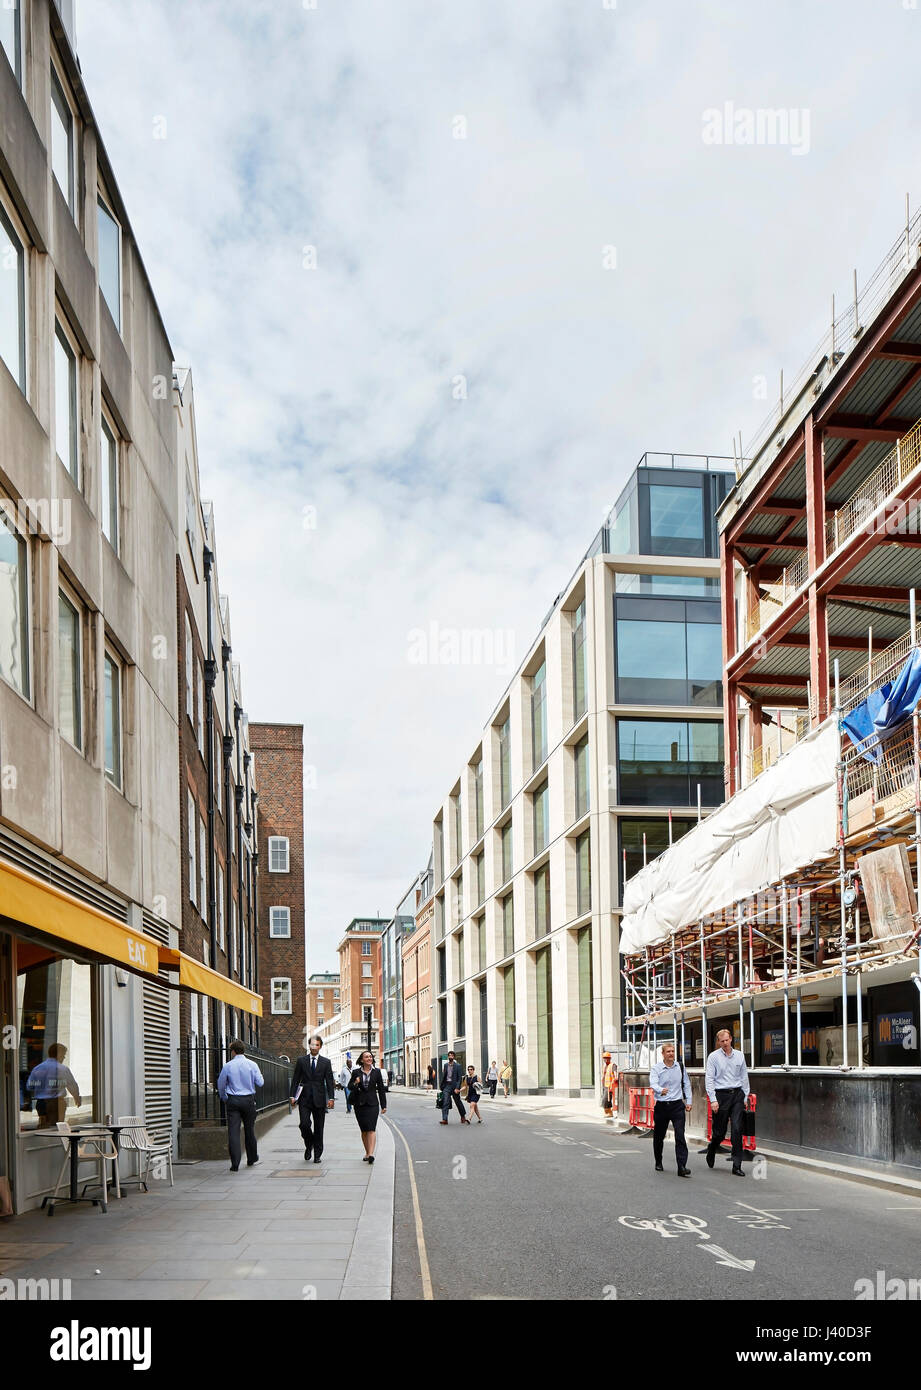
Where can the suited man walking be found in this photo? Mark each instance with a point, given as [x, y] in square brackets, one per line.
[451, 1078]
[314, 1076]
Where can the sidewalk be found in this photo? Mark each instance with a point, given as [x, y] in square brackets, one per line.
[285, 1229]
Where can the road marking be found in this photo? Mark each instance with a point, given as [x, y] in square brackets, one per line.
[679, 1223]
[427, 1293]
[723, 1257]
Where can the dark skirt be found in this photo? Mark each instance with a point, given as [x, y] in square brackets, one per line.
[366, 1115]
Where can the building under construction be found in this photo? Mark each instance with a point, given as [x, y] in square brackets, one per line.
[790, 914]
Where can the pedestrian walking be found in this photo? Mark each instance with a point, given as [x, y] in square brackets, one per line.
[49, 1084]
[432, 1076]
[451, 1078]
[728, 1089]
[369, 1099]
[236, 1087]
[313, 1091]
[345, 1077]
[474, 1090]
[672, 1087]
[492, 1079]
[505, 1076]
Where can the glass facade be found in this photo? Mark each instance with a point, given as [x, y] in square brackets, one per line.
[505, 763]
[539, 716]
[65, 404]
[541, 809]
[675, 513]
[542, 964]
[14, 607]
[633, 829]
[506, 834]
[668, 511]
[508, 924]
[108, 477]
[480, 863]
[110, 269]
[579, 662]
[583, 875]
[542, 901]
[586, 1010]
[668, 652]
[12, 301]
[62, 141]
[478, 796]
[55, 1040]
[660, 762]
[70, 712]
[667, 585]
[113, 726]
[458, 832]
[580, 759]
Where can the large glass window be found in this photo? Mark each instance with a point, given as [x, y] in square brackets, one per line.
[10, 34]
[460, 1015]
[676, 513]
[541, 805]
[14, 605]
[55, 1039]
[108, 476]
[505, 763]
[586, 1012]
[508, 924]
[667, 585]
[542, 963]
[478, 795]
[480, 865]
[110, 262]
[539, 716]
[70, 713]
[506, 834]
[279, 862]
[639, 837]
[62, 141]
[580, 759]
[542, 901]
[579, 654]
[661, 762]
[583, 875]
[12, 301]
[669, 652]
[65, 403]
[113, 720]
[458, 831]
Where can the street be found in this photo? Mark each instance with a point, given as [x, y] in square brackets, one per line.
[530, 1207]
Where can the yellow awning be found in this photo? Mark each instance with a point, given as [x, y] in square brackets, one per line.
[194, 975]
[53, 912]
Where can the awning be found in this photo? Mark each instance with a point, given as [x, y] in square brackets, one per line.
[54, 913]
[201, 978]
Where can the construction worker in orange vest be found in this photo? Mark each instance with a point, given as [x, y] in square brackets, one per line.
[609, 1082]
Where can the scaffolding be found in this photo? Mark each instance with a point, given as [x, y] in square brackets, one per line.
[812, 929]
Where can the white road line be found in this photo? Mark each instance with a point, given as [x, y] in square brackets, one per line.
[427, 1293]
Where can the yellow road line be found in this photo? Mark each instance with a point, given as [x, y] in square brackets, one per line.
[417, 1212]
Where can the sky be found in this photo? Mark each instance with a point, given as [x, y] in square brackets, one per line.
[443, 271]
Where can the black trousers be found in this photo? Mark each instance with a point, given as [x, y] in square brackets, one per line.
[732, 1104]
[447, 1096]
[669, 1112]
[313, 1118]
[241, 1109]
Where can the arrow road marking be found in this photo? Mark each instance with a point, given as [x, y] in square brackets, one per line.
[723, 1257]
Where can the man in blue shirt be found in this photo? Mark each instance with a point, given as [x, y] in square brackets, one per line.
[672, 1088]
[49, 1083]
[727, 1087]
[237, 1089]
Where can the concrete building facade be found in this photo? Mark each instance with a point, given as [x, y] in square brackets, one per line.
[608, 728]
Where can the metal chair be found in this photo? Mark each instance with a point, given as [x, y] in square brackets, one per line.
[149, 1148]
[97, 1146]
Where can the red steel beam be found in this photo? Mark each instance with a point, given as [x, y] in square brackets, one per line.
[895, 351]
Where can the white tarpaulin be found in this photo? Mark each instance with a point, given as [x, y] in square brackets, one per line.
[781, 822]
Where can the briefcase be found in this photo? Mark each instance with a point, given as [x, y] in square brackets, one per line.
[438, 1098]
[748, 1124]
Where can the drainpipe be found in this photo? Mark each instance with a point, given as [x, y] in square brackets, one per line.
[210, 677]
[226, 755]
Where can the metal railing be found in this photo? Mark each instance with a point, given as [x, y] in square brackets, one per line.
[760, 759]
[892, 779]
[200, 1063]
[875, 673]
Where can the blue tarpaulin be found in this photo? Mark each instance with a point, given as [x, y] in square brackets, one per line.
[885, 709]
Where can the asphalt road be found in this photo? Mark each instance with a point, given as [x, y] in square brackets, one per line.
[529, 1207]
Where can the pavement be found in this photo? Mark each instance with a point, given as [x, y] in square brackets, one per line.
[282, 1230]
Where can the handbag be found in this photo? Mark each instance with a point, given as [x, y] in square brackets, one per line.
[748, 1124]
[438, 1099]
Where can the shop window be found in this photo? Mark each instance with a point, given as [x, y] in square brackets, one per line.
[56, 1039]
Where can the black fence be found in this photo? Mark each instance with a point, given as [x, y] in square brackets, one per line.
[200, 1064]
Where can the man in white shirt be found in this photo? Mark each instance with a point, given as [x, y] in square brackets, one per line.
[728, 1088]
[672, 1088]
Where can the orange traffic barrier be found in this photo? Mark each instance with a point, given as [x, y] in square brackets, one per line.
[642, 1101]
[748, 1140]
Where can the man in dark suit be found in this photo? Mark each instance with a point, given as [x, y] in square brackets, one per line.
[451, 1078]
[313, 1077]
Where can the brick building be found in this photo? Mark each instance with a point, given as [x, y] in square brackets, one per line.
[359, 988]
[278, 752]
[322, 1002]
[417, 992]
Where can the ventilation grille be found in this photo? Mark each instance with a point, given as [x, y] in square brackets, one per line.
[158, 1105]
[27, 857]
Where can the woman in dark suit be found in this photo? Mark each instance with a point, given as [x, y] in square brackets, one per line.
[369, 1099]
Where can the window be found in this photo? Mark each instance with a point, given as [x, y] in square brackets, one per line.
[480, 871]
[12, 300]
[478, 795]
[667, 585]
[11, 34]
[278, 854]
[579, 654]
[480, 926]
[56, 1045]
[506, 833]
[110, 260]
[583, 875]
[220, 907]
[669, 652]
[203, 868]
[586, 1012]
[14, 604]
[458, 836]
[366, 969]
[580, 760]
[280, 923]
[200, 677]
[508, 924]
[65, 403]
[191, 823]
[661, 762]
[218, 767]
[62, 141]
[505, 762]
[542, 901]
[109, 490]
[233, 934]
[542, 964]
[281, 996]
[647, 839]
[113, 729]
[541, 810]
[70, 675]
[676, 513]
[367, 991]
[539, 716]
[189, 666]
[459, 1015]
[366, 948]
